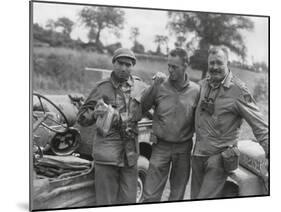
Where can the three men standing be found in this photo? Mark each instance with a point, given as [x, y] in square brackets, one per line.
[216, 109]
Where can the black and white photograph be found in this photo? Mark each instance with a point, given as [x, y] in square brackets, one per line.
[137, 105]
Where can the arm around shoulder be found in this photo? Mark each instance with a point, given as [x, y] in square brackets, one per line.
[148, 98]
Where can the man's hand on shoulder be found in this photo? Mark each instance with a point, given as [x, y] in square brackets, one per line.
[159, 78]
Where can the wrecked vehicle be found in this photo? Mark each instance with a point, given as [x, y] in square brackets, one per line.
[61, 176]
[62, 172]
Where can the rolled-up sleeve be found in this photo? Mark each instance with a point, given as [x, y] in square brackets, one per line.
[247, 109]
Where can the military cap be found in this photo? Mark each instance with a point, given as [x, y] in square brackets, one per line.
[123, 52]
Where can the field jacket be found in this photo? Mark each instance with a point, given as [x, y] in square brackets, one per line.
[113, 149]
[232, 103]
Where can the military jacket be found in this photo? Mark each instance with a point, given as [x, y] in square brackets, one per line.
[113, 149]
[218, 125]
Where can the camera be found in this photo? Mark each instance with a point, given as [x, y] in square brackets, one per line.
[207, 106]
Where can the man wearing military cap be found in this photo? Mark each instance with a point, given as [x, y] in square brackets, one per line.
[115, 151]
[224, 102]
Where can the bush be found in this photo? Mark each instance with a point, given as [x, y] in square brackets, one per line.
[261, 89]
[199, 60]
[63, 69]
[138, 48]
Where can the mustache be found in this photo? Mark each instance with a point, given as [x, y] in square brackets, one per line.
[214, 71]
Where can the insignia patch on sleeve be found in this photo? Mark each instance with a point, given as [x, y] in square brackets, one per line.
[248, 98]
[247, 95]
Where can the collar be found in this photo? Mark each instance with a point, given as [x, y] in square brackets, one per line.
[116, 84]
[186, 83]
[227, 80]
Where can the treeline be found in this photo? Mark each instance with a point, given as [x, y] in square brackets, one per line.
[49, 37]
[207, 30]
[43, 37]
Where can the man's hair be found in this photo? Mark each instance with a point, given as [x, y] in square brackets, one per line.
[216, 49]
[181, 53]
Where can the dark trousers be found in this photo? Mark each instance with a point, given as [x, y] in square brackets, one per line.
[208, 177]
[115, 185]
[165, 157]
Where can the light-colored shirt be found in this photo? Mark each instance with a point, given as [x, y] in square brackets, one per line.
[173, 118]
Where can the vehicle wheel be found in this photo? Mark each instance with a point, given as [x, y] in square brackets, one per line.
[143, 164]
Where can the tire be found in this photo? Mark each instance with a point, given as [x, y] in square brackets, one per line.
[143, 165]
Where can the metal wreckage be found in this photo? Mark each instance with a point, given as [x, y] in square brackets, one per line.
[62, 172]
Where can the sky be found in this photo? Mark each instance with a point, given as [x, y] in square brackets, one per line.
[150, 23]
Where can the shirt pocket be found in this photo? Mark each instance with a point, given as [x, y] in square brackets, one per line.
[223, 116]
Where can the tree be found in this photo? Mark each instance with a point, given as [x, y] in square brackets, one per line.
[160, 40]
[112, 47]
[180, 41]
[66, 24]
[137, 46]
[50, 36]
[97, 19]
[135, 32]
[50, 25]
[211, 29]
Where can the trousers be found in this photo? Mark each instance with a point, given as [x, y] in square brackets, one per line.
[208, 177]
[115, 185]
[173, 157]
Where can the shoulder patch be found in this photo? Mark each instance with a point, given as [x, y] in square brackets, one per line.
[242, 89]
[245, 92]
[247, 95]
[248, 98]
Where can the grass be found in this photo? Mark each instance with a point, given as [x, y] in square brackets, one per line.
[62, 70]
